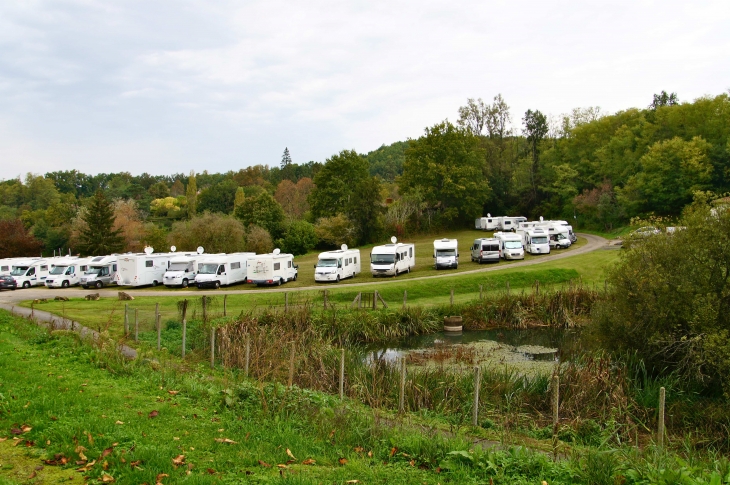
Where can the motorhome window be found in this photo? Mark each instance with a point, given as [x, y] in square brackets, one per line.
[382, 258]
[411, 252]
[148, 263]
[83, 268]
[18, 271]
[288, 264]
[347, 261]
[114, 268]
[490, 247]
[512, 245]
[445, 252]
[94, 270]
[277, 266]
[235, 265]
[104, 271]
[70, 270]
[31, 272]
[355, 259]
[327, 263]
[5, 268]
[57, 270]
[44, 268]
[539, 240]
[209, 268]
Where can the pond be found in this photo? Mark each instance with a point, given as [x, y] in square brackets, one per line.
[523, 350]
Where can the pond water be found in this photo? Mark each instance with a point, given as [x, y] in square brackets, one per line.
[528, 350]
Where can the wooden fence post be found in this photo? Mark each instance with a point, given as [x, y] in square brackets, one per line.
[359, 300]
[159, 333]
[660, 427]
[342, 374]
[375, 299]
[184, 325]
[136, 324]
[537, 287]
[556, 407]
[126, 319]
[225, 297]
[291, 365]
[477, 385]
[205, 310]
[212, 347]
[481, 291]
[402, 393]
[248, 353]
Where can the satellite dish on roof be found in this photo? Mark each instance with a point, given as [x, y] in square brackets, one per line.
[173, 249]
[489, 215]
[149, 250]
[344, 247]
[540, 218]
[200, 249]
[276, 251]
[393, 239]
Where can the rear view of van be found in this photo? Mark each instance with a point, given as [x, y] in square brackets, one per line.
[485, 250]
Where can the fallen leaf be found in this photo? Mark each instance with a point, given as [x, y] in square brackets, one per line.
[289, 462]
[226, 440]
[39, 468]
[25, 428]
[332, 433]
[308, 461]
[282, 466]
[221, 430]
[289, 454]
[358, 449]
[16, 431]
[342, 461]
[173, 392]
[107, 452]
[370, 454]
[105, 465]
[32, 475]
[264, 464]
[412, 462]
[119, 422]
[91, 438]
[393, 451]
[3, 439]
[178, 460]
[105, 478]
[211, 471]
[82, 456]
[160, 477]
[135, 463]
[352, 481]
[153, 414]
[175, 438]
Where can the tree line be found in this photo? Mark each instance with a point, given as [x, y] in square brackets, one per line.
[598, 170]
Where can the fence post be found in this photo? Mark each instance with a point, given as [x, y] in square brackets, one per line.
[291, 365]
[184, 325]
[405, 298]
[248, 353]
[660, 427]
[452, 297]
[126, 319]
[342, 374]
[159, 333]
[225, 297]
[205, 311]
[157, 311]
[402, 394]
[481, 291]
[477, 385]
[212, 347]
[136, 324]
[359, 300]
[537, 287]
[375, 299]
[556, 408]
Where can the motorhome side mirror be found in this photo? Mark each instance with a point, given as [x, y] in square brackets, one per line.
[315, 266]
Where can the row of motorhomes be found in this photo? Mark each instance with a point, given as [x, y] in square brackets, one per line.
[560, 233]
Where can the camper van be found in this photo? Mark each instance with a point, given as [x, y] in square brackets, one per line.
[445, 253]
[142, 269]
[271, 269]
[558, 234]
[29, 272]
[571, 235]
[67, 272]
[182, 270]
[392, 259]
[101, 271]
[216, 270]
[535, 240]
[488, 223]
[337, 265]
[510, 223]
[510, 245]
[484, 250]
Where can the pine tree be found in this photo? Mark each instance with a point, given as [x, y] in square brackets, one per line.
[192, 195]
[99, 237]
[285, 159]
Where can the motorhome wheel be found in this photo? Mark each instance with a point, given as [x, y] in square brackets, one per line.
[154, 283]
[26, 284]
[64, 284]
[98, 284]
[295, 276]
[408, 270]
[279, 282]
[217, 284]
[185, 283]
[337, 280]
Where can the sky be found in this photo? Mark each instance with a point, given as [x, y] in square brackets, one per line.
[167, 87]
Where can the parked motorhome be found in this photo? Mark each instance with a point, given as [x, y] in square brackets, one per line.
[101, 271]
[30, 272]
[557, 233]
[392, 259]
[337, 265]
[485, 249]
[182, 270]
[571, 235]
[445, 253]
[67, 272]
[142, 269]
[218, 270]
[488, 223]
[272, 269]
[510, 245]
[510, 223]
[535, 241]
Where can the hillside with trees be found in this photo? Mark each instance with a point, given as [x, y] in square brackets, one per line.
[595, 169]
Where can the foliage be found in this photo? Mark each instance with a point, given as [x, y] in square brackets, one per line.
[262, 210]
[218, 198]
[293, 197]
[129, 225]
[335, 184]
[99, 236]
[258, 240]
[170, 207]
[386, 162]
[300, 238]
[217, 233]
[16, 241]
[335, 231]
[191, 193]
[445, 165]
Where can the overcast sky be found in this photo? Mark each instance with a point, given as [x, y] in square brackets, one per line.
[172, 86]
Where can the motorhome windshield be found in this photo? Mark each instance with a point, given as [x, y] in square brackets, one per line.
[327, 263]
[58, 270]
[94, 270]
[540, 240]
[208, 268]
[18, 271]
[512, 245]
[180, 266]
[440, 253]
[382, 258]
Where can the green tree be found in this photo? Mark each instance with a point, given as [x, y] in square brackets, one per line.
[300, 238]
[218, 198]
[446, 166]
[160, 190]
[264, 211]
[217, 233]
[336, 182]
[664, 99]
[98, 236]
[535, 129]
[367, 210]
[191, 192]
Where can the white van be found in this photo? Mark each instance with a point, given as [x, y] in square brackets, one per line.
[558, 234]
[510, 223]
[182, 270]
[446, 253]
[535, 240]
[30, 272]
[337, 265]
[485, 249]
[488, 223]
[216, 270]
[68, 272]
[101, 271]
[272, 269]
[571, 235]
[392, 259]
[510, 245]
[6, 266]
[142, 269]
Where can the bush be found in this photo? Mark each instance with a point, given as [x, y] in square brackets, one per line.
[335, 231]
[258, 240]
[300, 238]
[217, 233]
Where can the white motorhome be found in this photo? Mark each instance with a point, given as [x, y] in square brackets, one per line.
[558, 234]
[446, 253]
[30, 272]
[485, 249]
[101, 271]
[67, 272]
[571, 235]
[488, 223]
[142, 269]
[272, 269]
[392, 259]
[337, 265]
[6, 265]
[510, 223]
[218, 270]
[182, 270]
[510, 245]
[535, 241]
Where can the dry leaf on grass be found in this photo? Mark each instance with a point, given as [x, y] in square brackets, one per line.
[178, 460]
[264, 464]
[308, 461]
[289, 454]
[153, 414]
[226, 440]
